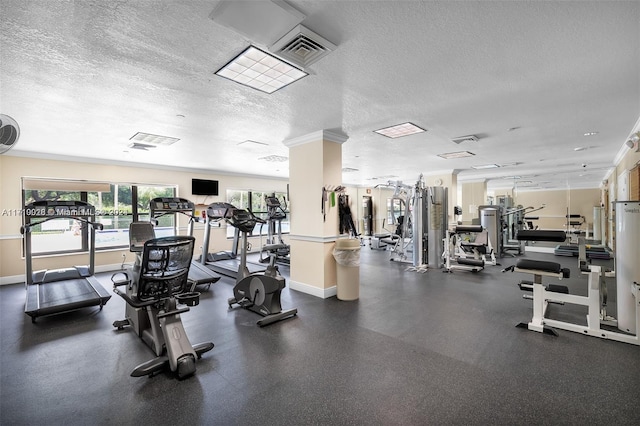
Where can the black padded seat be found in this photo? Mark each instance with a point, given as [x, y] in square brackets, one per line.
[468, 228]
[541, 235]
[543, 266]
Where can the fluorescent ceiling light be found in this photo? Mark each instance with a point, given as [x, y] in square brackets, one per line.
[399, 130]
[485, 166]
[274, 158]
[591, 133]
[458, 154]
[260, 70]
[148, 138]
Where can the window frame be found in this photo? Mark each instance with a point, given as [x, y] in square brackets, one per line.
[87, 188]
[250, 195]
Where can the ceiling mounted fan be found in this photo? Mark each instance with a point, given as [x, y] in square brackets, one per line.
[9, 133]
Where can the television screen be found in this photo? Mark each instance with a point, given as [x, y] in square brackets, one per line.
[204, 187]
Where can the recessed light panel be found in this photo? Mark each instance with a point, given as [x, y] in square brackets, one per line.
[591, 133]
[458, 154]
[399, 130]
[260, 70]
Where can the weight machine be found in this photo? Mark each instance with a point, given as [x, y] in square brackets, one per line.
[469, 247]
[424, 225]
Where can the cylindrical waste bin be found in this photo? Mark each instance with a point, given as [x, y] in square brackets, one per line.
[347, 255]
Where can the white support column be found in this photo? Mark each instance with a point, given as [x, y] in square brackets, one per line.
[315, 161]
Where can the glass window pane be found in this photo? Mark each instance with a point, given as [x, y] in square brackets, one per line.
[114, 212]
[57, 235]
[166, 224]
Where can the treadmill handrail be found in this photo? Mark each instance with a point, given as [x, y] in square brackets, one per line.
[95, 225]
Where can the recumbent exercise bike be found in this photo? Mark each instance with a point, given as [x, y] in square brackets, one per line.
[155, 285]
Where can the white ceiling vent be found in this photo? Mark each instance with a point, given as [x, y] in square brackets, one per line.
[469, 138]
[141, 146]
[274, 158]
[302, 46]
[153, 140]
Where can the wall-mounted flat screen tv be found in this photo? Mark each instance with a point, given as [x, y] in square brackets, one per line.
[204, 187]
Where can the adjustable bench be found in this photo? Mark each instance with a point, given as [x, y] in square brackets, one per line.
[558, 294]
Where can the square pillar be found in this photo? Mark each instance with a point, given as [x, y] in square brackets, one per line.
[315, 161]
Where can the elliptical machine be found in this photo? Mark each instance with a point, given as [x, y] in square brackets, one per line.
[155, 285]
[275, 244]
[258, 292]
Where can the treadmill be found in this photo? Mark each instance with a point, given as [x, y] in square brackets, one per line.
[199, 274]
[224, 265]
[61, 290]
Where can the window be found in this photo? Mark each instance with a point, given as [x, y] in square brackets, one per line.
[117, 205]
[255, 202]
[57, 235]
[144, 194]
[395, 209]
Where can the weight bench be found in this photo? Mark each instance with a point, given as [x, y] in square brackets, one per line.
[380, 241]
[542, 295]
[557, 294]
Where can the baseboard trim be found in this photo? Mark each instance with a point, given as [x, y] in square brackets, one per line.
[20, 279]
[322, 293]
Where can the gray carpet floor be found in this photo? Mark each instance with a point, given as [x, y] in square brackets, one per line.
[414, 349]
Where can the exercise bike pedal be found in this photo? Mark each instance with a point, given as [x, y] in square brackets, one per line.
[121, 324]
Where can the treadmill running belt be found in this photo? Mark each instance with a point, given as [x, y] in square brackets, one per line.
[65, 292]
[64, 296]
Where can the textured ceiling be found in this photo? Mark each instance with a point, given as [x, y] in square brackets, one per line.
[82, 77]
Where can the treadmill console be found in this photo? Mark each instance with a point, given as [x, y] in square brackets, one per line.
[171, 205]
[53, 208]
[219, 211]
[272, 201]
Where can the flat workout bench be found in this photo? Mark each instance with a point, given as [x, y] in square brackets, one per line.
[540, 268]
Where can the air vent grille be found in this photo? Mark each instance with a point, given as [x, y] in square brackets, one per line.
[274, 158]
[468, 138]
[302, 46]
[141, 146]
[148, 138]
